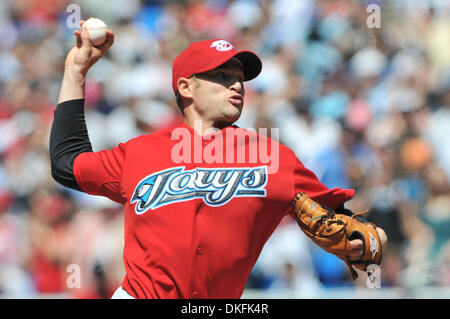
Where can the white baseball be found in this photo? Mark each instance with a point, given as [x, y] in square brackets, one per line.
[97, 30]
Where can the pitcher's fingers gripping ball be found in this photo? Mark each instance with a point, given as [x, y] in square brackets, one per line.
[333, 233]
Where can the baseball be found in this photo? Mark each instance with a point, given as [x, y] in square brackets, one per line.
[97, 30]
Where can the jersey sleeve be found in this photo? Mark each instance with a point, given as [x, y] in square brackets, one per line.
[100, 173]
[306, 181]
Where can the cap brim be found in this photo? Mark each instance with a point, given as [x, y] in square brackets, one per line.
[251, 62]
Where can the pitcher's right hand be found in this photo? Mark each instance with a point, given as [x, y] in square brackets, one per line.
[84, 55]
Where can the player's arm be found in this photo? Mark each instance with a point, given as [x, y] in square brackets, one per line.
[68, 138]
[69, 135]
[78, 62]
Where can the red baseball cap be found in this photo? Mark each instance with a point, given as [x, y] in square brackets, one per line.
[207, 55]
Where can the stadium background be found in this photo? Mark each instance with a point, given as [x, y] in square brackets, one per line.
[367, 108]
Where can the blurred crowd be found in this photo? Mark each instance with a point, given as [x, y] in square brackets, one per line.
[363, 107]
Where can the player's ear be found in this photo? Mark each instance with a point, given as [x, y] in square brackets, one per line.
[185, 87]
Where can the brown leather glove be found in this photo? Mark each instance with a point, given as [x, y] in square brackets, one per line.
[333, 232]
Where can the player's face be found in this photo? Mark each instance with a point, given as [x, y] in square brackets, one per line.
[218, 94]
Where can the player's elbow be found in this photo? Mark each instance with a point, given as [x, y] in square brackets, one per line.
[62, 171]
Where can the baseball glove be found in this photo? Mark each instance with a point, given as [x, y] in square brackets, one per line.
[333, 232]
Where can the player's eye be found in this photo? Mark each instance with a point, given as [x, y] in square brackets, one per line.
[222, 76]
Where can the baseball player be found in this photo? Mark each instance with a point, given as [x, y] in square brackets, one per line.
[195, 228]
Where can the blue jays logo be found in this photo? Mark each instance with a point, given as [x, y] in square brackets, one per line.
[215, 186]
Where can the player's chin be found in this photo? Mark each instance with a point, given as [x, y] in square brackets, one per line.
[237, 109]
[232, 115]
[236, 105]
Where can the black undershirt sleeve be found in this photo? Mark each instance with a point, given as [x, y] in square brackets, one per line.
[68, 138]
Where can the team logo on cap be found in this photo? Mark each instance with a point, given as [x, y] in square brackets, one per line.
[221, 45]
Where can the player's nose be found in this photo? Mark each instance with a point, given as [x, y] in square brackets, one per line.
[238, 86]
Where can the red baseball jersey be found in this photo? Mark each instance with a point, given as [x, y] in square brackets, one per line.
[198, 210]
